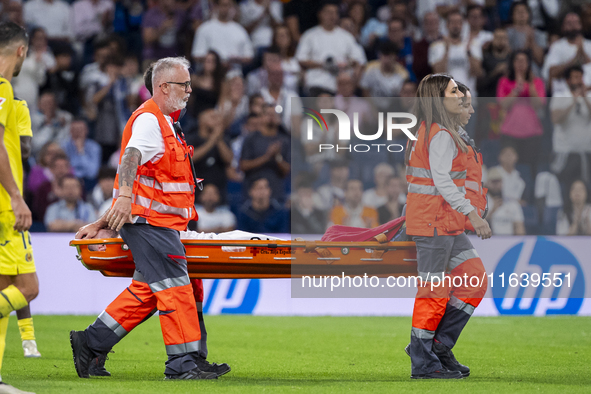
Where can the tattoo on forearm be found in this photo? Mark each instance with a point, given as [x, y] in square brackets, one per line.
[128, 169]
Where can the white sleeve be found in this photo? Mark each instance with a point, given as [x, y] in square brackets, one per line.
[436, 52]
[441, 155]
[552, 7]
[476, 49]
[517, 212]
[358, 53]
[551, 61]
[247, 49]
[303, 50]
[229, 220]
[199, 43]
[277, 11]
[146, 136]
[562, 224]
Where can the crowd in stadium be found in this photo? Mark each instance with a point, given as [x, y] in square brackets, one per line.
[529, 62]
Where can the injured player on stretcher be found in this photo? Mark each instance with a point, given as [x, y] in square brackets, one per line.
[235, 235]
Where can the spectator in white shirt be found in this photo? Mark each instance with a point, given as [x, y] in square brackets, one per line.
[571, 114]
[451, 55]
[378, 196]
[573, 49]
[575, 218]
[505, 216]
[332, 194]
[384, 77]
[258, 18]
[52, 15]
[228, 38]
[212, 217]
[90, 18]
[92, 72]
[49, 123]
[234, 101]
[258, 79]
[36, 64]
[286, 102]
[444, 7]
[476, 20]
[513, 184]
[325, 49]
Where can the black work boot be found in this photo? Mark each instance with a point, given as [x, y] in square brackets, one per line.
[448, 359]
[97, 366]
[442, 374]
[206, 366]
[81, 352]
[194, 374]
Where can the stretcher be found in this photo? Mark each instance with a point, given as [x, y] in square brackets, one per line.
[263, 259]
[341, 250]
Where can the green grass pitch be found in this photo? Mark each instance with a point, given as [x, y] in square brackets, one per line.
[317, 354]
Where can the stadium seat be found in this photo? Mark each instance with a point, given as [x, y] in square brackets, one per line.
[549, 221]
[490, 152]
[526, 175]
[531, 219]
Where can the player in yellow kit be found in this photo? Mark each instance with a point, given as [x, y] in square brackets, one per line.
[26, 262]
[18, 283]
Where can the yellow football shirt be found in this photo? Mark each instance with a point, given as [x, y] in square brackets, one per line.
[12, 141]
[23, 118]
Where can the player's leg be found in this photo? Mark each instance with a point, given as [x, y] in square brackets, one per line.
[27, 331]
[432, 258]
[3, 331]
[15, 294]
[5, 282]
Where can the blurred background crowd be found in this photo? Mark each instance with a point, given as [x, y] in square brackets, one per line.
[257, 63]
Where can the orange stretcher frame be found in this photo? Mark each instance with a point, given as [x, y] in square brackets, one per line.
[264, 259]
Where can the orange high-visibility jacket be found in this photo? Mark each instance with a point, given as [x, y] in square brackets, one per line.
[163, 192]
[475, 192]
[426, 209]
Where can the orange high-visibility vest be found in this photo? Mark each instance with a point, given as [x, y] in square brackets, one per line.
[163, 192]
[475, 192]
[426, 209]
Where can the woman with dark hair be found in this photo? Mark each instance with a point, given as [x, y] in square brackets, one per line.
[521, 94]
[522, 35]
[435, 219]
[207, 85]
[575, 217]
[283, 41]
[358, 12]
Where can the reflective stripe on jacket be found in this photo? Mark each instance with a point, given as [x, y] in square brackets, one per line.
[426, 209]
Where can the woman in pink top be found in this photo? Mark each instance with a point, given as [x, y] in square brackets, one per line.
[521, 95]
